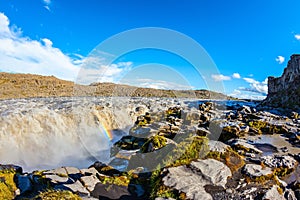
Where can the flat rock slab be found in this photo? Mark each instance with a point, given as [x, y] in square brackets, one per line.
[72, 170]
[214, 171]
[90, 181]
[57, 179]
[59, 171]
[76, 187]
[254, 170]
[192, 180]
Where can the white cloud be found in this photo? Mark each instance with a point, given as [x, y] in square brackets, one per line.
[236, 75]
[157, 84]
[20, 54]
[220, 77]
[256, 86]
[242, 94]
[47, 4]
[23, 55]
[297, 36]
[280, 59]
[47, 42]
[102, 73]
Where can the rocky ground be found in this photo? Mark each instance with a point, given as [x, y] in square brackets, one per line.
[197, 150]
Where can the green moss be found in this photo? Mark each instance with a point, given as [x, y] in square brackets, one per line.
[115, 180]
[157, 142]
[7, 184]
[265, 127]
[214, 155]
[57, 195]
[174, 112]
[160, 190]
[260, 179]
[282, 171]
[188, 150]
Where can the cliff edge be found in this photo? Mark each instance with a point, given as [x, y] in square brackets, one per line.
[284, 91]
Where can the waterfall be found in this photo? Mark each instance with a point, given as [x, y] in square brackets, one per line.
[50, 132]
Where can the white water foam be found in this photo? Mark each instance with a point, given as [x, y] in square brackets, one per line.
[47, 133]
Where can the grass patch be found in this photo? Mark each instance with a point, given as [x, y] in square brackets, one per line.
[7, 184]
[190, 149]
[156, 141]
[57, 195]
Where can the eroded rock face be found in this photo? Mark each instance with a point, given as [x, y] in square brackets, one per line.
[284, 91]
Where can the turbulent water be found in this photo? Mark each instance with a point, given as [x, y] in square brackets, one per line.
[44, 133]
[50, 132]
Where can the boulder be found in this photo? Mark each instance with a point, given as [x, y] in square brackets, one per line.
[277, 161]
[23, 183]
[273, 194]
[243, 145]
[254, 170]
[217, 146]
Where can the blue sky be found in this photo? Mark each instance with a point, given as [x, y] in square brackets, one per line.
[247, 40]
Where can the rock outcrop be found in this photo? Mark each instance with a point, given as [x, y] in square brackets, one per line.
[284, 91]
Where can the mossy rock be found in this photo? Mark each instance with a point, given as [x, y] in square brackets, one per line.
[156, 142]
[130, 142]
[173, 112]
[230, 158]
[230, 132]
[282, 171]
[157, 189]
[7, 184]
[57, 195]
[115, 180]
[267, 128]
[190, 149]
[105, 169]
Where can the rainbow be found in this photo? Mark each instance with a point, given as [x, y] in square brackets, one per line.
[107, 132]
[103, 127]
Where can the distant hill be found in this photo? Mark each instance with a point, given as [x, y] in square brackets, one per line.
[29, 85]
